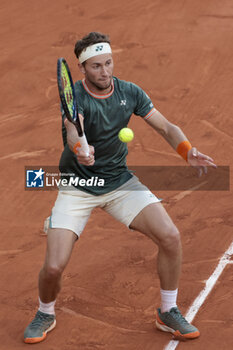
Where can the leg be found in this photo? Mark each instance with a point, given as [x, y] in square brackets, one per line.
[59, 248]
[141, 210]
[60, 243]
[69, 217]
[154, 222]
[136, 207]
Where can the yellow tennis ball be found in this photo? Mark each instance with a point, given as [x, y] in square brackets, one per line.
[126, 135]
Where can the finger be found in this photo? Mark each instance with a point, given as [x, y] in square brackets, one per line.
[213, 164]
[200, 171]
[206, 162]
[90, 159]
[84, 159]
[89, 163]
[210, 163]
[202, 156]
[205, 169]
[91, 150]
[67, 122]
[82, 154]
[202, 162]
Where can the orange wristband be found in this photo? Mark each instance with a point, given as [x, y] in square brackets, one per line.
[77, 145]
[183, 149]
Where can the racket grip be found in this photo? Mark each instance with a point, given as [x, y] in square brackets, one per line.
[81, 145]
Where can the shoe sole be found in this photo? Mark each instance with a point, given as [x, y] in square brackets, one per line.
[176, 333]
[39, 339]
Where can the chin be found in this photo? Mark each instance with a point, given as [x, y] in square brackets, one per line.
[105, 85]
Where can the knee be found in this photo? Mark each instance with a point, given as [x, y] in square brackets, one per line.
[170, 240]
[52, 272]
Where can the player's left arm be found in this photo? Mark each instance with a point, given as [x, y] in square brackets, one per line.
[179, 142]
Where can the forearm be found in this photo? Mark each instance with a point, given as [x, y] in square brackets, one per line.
[178, 140]
[174, 135]
[72, 134]
[171, 133]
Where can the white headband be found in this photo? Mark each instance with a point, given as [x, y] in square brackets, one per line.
[94, 50]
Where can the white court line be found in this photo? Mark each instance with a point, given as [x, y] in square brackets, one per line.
[194, 308]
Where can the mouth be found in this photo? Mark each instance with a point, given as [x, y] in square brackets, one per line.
[104, 83]
[104, 79]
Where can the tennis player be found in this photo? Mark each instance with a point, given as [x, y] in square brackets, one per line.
[106, 104]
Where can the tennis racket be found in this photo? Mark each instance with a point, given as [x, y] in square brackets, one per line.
[69, 103]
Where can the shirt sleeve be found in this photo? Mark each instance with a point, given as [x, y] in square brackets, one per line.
[144, 106]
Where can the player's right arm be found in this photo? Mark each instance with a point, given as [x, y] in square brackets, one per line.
[72, 140]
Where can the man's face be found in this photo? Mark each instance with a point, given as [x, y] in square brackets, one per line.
[98, 71]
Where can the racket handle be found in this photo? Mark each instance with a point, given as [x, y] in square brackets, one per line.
[81, 145]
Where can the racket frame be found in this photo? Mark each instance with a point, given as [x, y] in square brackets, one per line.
[75, 119]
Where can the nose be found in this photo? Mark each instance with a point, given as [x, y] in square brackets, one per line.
[104, 71]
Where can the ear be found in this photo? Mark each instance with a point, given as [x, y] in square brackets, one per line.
[81, 68]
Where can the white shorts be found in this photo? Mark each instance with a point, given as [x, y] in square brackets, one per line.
[73, 208]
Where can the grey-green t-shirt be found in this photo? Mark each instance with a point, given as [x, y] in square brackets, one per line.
[104, 116]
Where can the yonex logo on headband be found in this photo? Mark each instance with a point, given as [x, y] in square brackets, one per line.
[94, 50]
[99, 48]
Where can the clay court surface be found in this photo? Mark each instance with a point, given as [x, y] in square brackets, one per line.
[180, 52]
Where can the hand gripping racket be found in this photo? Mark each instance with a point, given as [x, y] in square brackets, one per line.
[69, 102]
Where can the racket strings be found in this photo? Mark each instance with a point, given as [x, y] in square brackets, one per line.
[67, 89]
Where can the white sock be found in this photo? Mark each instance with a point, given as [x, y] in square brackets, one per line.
[168, 299]
[47, 308]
